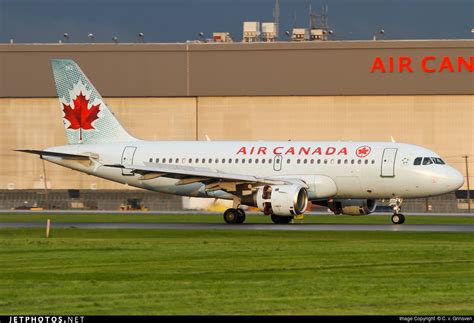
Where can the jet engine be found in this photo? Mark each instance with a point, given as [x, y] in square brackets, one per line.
[353, 206]
[283, 200]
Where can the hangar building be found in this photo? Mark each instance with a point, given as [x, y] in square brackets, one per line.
[417, 91]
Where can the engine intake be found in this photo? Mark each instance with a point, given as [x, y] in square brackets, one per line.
[281, 199]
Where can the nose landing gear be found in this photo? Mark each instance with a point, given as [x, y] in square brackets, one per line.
[397, 217]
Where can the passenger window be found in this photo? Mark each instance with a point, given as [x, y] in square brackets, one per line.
[236, 160]
[269, 160]
[250, 160]
[312, 161]
[338, 161]
[319, 161]
[427, 161]
[345, 161]
[298, 161]
[417, 161]
[352, 161]
[256, 160]
[203, 160]
[263, 161]
[157, 160]
[217, 161]
[305, 161]
[359, 161]
[163, 160]
[373, 161]
[223, 160]
[230, 160]
[325, 161]
[170, 160]
[243, 160]
[197, 160]
[210, 160]
[366, 161]
[177, 160]
[288, 161]
[151, 160]
[190, 160]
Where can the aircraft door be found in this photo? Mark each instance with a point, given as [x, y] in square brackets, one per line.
[127, 159]
[388, 162]
[277, 161]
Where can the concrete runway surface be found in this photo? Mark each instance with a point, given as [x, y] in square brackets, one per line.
[189, 212]
[249, 226]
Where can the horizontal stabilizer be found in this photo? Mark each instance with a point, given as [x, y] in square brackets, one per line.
[54, 154]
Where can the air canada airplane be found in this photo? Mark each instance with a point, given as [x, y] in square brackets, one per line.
[277, 177]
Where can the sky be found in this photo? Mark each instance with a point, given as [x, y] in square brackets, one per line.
[45, 21]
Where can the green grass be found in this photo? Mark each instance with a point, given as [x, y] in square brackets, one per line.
[146, 272]
[214, 218]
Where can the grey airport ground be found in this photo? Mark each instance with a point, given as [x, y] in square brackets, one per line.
[246, 226]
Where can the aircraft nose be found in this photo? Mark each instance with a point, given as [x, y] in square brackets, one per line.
[455, 179]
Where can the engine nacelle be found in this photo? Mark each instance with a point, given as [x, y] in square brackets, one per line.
[353, 206]
[281, 199]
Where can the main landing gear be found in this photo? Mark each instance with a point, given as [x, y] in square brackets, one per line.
[234, 216]
[237, 216]
[397, 217]
[277, 219]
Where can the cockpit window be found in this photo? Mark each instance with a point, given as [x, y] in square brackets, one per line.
[427, 161]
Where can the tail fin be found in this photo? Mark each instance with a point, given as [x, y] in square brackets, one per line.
[86, 117]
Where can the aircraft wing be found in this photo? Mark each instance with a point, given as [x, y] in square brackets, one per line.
[213, 179]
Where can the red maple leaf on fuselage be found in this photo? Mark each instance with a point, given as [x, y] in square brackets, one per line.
[81, 117]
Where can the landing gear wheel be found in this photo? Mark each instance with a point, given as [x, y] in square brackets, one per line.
[281, 219]
[241, 216]
[232, 216]
[398, 218]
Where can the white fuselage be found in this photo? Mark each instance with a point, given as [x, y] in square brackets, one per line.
[355, 169]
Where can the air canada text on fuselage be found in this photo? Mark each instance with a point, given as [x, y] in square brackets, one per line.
[361, 151]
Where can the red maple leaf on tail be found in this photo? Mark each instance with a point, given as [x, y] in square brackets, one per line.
[81, 117]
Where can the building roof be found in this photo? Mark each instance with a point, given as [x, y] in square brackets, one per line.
[407, 67]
